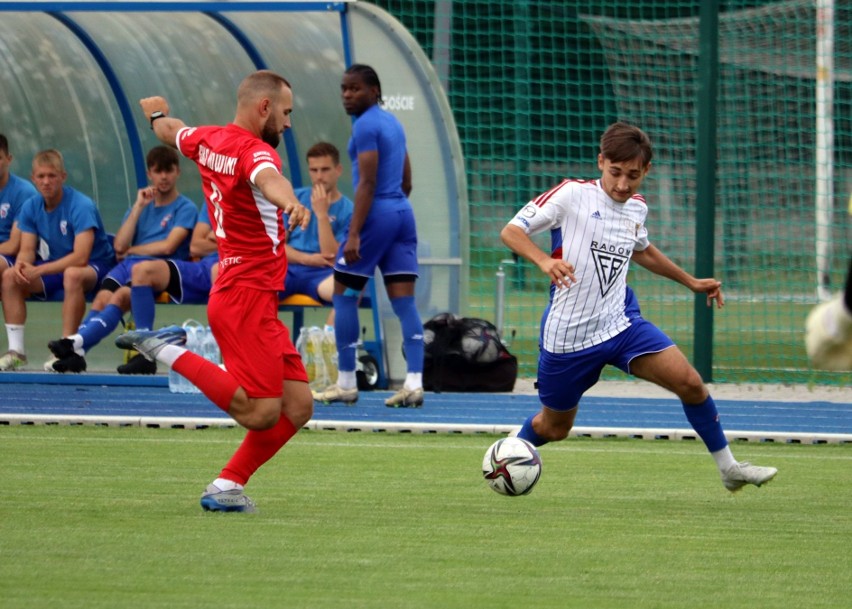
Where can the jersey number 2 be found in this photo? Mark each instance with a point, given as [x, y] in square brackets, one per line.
[215, 200]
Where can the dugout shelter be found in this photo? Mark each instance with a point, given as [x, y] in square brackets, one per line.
[71, 74]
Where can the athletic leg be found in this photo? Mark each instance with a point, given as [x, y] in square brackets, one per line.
[76, 281]
[347, 291]
[401, 295]
[258, 447]
[147, 278]
[548, 426]
[671, 370]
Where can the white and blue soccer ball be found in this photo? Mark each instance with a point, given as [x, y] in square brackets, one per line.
[511, 466]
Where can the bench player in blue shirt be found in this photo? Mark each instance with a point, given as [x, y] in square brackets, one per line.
[310, 251]
[157, 225]
[64, 250]
[14, 191]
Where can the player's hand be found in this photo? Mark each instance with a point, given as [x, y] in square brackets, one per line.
[561, 273]
[320, 201]
[299, 216]
[24, 272]
[144, 196]
[319, 259]
[713, 290]
[352, 249]
[154, 104]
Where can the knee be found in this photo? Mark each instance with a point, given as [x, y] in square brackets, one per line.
[692, 389]
[260, 419]
[102, 299]
[140, 274]
[297, 403]
[7, 277]
[251, 413]
[300, 413]
[73, 278]
[550, 430]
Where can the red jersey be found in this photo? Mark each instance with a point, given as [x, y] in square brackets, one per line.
[249, 229]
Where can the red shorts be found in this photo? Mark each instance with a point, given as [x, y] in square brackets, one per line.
[255, 344]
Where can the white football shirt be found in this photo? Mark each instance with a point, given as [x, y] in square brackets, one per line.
[597, 235]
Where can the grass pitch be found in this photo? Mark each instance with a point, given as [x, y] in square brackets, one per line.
[109, 518]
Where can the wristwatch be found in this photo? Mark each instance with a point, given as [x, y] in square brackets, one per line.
[155, 115]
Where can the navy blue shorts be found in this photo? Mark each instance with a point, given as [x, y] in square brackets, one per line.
[121, 273]
[54, 289]
[564, 377]
[304, 279]
[194, 280]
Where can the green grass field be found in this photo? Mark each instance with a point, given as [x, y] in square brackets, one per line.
[98, 517]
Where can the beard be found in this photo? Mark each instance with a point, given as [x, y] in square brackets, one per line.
[270, 136]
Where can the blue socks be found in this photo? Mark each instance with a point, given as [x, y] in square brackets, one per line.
[704, 419]
[528, 433]
[346, 330]
[99, 326]
[412, 332]
[142, 305]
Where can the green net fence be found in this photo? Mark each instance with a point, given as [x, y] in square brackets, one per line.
[533, 84]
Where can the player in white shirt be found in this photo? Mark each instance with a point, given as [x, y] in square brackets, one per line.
[597, 227]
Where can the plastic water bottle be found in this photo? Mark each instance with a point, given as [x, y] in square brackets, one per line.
[311, 360]
[176, 382]
[319, 380]
[329, 354]
[194, 338]
[302, 348]
[209, 348]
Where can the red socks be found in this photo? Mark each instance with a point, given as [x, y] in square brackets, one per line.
[215, 383]
[257, 448]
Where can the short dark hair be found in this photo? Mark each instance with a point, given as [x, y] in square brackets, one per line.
[162, 158]
[624, 142]
[260, 83]
[367, 74]
[4, 144]
[324, 149]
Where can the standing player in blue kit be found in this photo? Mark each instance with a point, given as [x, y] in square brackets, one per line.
[382, 233]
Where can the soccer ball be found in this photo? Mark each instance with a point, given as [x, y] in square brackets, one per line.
[479, 345]
[511, 466]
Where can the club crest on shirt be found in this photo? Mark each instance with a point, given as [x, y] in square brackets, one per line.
[63, 227]
[4, 210]
[610, 261]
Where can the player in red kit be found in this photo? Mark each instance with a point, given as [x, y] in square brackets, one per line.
[265, 386]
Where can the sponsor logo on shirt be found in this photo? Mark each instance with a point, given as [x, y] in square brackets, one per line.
[262, 155]
[597, 215]
[610, 261]
[225, 262]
